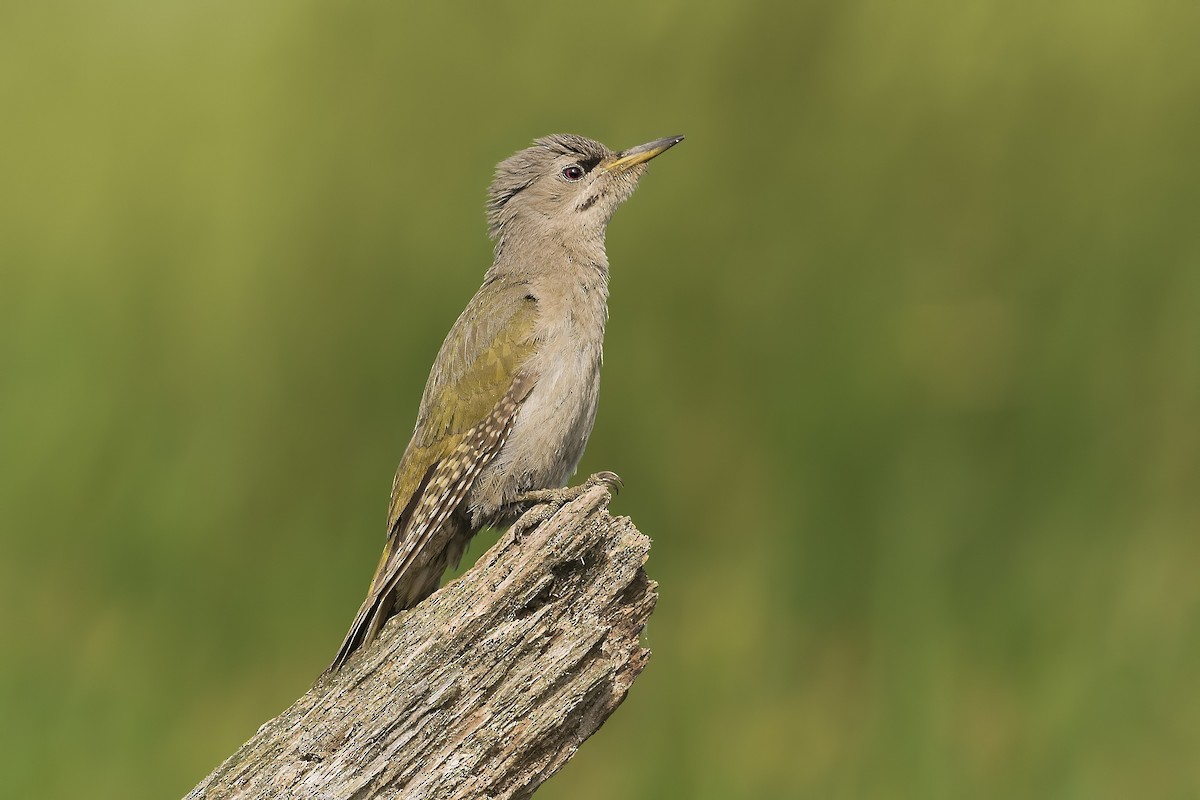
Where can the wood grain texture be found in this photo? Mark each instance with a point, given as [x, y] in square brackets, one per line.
[482, 691]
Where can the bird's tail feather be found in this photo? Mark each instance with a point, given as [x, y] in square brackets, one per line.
[369, 618]
[401, 581]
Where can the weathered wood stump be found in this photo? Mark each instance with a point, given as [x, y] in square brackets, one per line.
[482, 691]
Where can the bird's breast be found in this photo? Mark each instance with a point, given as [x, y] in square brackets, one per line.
[552, 427]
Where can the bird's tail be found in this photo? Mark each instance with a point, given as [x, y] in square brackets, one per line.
[401, 581]
[370, 617]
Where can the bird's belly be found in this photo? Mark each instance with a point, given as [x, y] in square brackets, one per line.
[548, 436]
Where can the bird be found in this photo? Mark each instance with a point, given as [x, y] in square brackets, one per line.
[511, 398]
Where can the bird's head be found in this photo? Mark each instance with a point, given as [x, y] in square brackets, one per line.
[566, 185]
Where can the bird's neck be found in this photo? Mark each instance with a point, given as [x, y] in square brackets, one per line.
[550, 260]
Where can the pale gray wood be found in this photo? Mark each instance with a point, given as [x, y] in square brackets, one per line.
[482, 691]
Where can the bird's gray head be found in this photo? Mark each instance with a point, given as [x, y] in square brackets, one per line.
[565, 185]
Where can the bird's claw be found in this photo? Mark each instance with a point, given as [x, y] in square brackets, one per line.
[611, 480]
[539, 505]
[531, 519]
[560, 497]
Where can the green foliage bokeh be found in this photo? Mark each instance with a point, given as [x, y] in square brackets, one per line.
[902, 375]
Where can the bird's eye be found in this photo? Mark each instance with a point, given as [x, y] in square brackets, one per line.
[573, 172]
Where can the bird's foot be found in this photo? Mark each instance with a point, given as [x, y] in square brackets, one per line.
[540, 505]
[560, 497]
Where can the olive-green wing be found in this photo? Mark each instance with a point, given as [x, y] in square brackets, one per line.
[483, 355]
[472, 396]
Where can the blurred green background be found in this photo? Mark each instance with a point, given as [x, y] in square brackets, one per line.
[902, 376]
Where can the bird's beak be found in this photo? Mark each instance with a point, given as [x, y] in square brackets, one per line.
[640, 154]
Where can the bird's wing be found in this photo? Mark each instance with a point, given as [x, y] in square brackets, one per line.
[467, 411]
[480, 364]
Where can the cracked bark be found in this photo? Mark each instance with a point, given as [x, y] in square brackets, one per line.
[482, 691]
